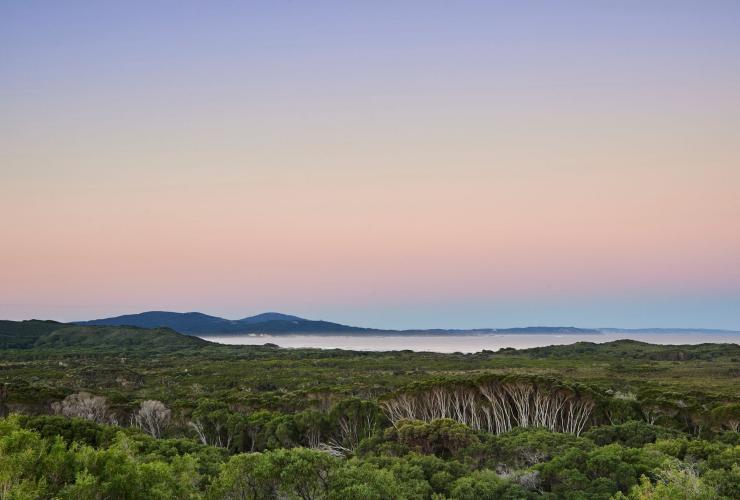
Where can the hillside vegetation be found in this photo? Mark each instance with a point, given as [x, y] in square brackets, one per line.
[122, 412]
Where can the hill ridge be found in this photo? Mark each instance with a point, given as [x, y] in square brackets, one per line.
[276, 323]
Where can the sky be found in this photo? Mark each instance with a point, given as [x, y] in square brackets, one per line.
[407, 164]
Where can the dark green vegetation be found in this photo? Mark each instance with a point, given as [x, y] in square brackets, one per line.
[194, 419]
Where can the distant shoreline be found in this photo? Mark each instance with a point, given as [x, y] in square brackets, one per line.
[398, 333]
[468, 333]
[465, 343]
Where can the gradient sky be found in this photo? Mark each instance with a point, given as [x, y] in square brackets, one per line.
[387, 164]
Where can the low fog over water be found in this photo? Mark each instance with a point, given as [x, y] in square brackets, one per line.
[462, 343]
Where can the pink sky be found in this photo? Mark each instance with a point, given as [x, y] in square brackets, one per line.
[342, 174]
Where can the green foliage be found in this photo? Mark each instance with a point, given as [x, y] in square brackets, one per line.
[73, 429]
[131, 464]
[486, 485]
[23, 334]
[36, 467]
[296, 473]
[353, 420]
[634, 434]
[304, 473]
[672, 484]
[599, 472]
[426, 472]
[445, 437]
[264, 422]
[727, 416]
[122, 338]
[521, 448]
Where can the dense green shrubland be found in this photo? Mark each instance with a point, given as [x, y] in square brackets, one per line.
[132, 413]
[55, 457]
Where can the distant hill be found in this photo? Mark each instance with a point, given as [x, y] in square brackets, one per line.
[191, 323]
[118, 337]
[275, 323]
[304, 326]
[269, 316]
[50, 334]
[195, 323]
[23, 334]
